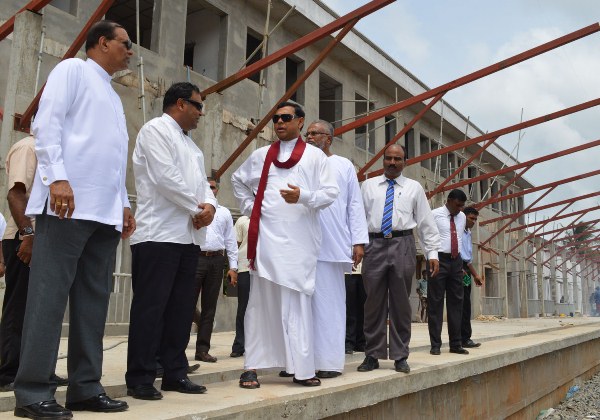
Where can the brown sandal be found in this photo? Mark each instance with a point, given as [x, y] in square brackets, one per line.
[314, 381]
[249, 376]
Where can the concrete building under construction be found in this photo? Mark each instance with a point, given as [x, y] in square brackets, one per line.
[204, 41]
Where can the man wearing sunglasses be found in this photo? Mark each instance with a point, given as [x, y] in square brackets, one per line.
[81, 207]
[282, 187]
[344, 227]
[174, 206]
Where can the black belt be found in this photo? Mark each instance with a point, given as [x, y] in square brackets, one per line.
[392, 234]
[220, 252]
[447, 256]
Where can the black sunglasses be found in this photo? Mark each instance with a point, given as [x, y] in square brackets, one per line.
[199, 105]
[128, 44]
[314, 133]
[284, 117]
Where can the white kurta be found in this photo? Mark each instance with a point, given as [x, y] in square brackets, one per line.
[289, 234]
[278, 320]
[343, 224]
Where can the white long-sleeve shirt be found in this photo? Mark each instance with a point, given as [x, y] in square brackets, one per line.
[289, 234]
[442, 219]
[411, 210]
[343, 223]
[220, 235]
[170, 180]
[81, 137]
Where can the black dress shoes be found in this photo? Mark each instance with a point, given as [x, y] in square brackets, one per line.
[203, 356]
[402, 366]
[236, 354]
[458, 350]
[435, 351]
[144, 392]
[183, 385]
[349, 351]
[44, 410]
[368, 364]
[101, 403]
[471, 344]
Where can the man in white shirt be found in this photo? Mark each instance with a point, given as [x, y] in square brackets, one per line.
[469, 274]
[243, 285]
[395, 205]
[344, 229]
[81, 208]
[174, 204]
[220, 241]
[451, 223]
[283, 187]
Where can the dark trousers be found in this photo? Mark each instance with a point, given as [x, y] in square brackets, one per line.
[161, 311]
[243, 286]
[387, 270]
[448, 282]
[355, 312]
[13, 310]
[209, 282]
[465, 327]
[72, 259]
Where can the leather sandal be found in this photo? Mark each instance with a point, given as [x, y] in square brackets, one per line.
[249, 376]
[314, 381]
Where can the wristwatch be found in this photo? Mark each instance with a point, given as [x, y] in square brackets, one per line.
[26, 231]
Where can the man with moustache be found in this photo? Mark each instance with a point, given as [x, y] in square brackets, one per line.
[174, 205]
[283, 187]
[395, 205]
[81, 208]
[344, 229]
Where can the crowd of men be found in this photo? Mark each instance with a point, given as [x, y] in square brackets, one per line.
[320, 262]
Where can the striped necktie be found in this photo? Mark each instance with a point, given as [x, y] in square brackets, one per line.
[386, 223]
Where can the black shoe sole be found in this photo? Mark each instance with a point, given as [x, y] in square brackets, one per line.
[20, 412]
[366, 368]
[201, 390]
[96, 410]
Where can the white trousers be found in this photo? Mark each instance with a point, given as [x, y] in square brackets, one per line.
[329, 316]
[278, 329]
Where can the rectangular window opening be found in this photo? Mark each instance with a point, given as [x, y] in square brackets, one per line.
[330, 100]
[124, 13]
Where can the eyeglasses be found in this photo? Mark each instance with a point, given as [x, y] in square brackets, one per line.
[284, 117]
[128, 44]
[198, 105]
[314, 133]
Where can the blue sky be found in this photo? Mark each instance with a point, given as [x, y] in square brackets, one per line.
[439, 41]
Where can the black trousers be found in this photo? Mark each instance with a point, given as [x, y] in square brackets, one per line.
[448, 282]
[243, 286]
[161, 311]
[355, 312]
[209, 283]
[465, 328]
[13, 310]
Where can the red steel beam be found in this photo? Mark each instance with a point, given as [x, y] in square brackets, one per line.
[285, 97]
[501, 65]
[564, 216]
[497, 133]
[570, 244]
[34, 6]
[361, 172]
[509, 183]
[554, 237]
[297, 45]
[523, 165]
[544, 207]
[570, 254]
[460, 168]
[591, 222]
[515, 217]
[540, 187]
[543, 223]
[23, 122]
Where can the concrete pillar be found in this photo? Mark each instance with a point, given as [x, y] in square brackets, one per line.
[168, 29]
[523, 295]
[565, 276]
[20, 83]
[585, 292]
[502, 273]
[554, 292]
[576, 295]
[539, 270]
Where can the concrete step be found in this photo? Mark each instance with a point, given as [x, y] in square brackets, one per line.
[505, 343]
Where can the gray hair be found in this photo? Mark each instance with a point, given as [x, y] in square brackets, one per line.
[328, 126]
